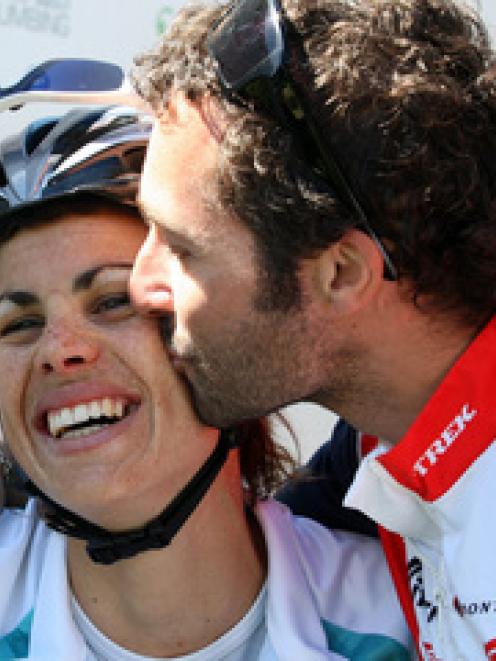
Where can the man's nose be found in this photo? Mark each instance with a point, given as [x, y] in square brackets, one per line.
[64, 350]
[149, 284]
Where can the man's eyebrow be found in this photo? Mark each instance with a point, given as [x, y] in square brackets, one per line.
[85, 279]
[150, 218]
[21, 298]
[167, 232]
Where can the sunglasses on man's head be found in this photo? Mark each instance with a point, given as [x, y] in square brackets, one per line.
[249, 45]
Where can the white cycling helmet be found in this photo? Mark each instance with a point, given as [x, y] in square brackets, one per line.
[99, 151]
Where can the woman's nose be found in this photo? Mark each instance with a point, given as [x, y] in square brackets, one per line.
[64, 350]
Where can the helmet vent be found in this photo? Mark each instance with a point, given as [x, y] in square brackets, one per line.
[3, 176]
[36, 132]
[100, 152]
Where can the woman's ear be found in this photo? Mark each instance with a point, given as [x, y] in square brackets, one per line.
[350, 271]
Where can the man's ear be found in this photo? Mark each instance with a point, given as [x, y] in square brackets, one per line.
[350, 271]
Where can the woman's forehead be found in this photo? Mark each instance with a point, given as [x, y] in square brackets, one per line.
[71, 244]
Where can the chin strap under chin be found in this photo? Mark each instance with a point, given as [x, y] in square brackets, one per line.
[106, 547]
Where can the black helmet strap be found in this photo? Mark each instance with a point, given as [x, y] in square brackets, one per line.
[106, 547]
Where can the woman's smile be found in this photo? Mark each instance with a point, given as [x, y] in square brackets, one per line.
[82, 416]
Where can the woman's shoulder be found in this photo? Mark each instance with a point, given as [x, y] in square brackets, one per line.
[339, 579]
[329, 558]
[17, 525]
[277, 520]
[24, 536]
[26, 545]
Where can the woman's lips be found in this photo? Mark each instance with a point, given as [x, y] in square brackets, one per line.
[71, 395]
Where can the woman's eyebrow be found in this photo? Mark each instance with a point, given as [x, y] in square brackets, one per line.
[85, 279]
[82, 281]
[21, 298]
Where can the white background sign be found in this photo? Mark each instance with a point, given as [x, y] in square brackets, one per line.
[32, 31]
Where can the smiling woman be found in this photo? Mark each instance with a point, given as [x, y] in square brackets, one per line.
[150, 534]
[68, 343]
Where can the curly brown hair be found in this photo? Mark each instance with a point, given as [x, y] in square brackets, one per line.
[405, 92]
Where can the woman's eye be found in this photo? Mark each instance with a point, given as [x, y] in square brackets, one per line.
[21, 326]
[112, 303]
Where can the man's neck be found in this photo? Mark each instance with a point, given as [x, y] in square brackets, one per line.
[179, 599]
[404, 361]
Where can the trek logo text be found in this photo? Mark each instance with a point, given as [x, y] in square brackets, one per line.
[449, 434]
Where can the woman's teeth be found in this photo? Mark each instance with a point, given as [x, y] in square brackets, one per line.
[83, 431]
[89, 417]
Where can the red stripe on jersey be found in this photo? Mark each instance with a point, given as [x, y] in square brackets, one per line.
[490, 649]
[367, 444]
[394, 550]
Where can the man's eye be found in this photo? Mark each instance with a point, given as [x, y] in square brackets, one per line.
[179, 252]
[21, 326]
[182, 254]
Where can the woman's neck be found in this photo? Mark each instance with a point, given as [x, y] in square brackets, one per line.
[178, 599]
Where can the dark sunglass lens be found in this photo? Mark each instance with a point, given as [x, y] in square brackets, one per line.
[247, 42]
[76, 76]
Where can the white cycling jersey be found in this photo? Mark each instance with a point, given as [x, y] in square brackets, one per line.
[434, 494]
[329, 594]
